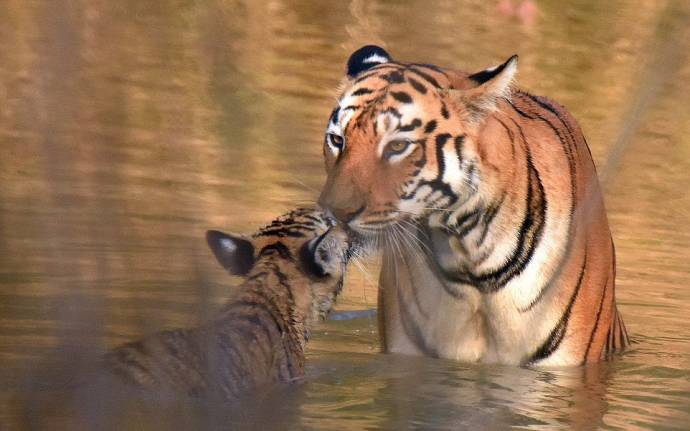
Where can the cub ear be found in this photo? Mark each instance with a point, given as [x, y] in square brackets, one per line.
[493, 84]
[365, 58]
[234, 253]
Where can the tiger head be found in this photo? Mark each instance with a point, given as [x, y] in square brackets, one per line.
[403, 139]
[305, 250]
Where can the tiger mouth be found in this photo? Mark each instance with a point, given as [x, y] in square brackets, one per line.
[365, 234]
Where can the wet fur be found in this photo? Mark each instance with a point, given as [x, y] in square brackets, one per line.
[259, 337]
[496, 242]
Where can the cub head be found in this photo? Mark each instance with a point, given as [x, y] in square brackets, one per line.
[403, 139]
[303, 245]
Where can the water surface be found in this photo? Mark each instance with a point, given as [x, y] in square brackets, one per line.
[129, 128]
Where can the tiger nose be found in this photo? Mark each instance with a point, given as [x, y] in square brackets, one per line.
[344, 215]
[342, 199]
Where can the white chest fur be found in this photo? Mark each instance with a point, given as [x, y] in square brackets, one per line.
[428, 315]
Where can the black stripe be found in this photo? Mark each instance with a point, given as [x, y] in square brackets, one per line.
[362, 91]
[401, 96]
[419, 164]
[489, 216]
[412, 329]
[413, 332]
[259, 319]
[440, 159]
[394, 77]
[284, 282]
[511, 135]
[131, 354]
[608, 343]
[410, 127]
[122, 365]
[430, 126]
[625, 330]
[171, 340]
[528, 237]
[459, 142]
[393, 112]
[570, 151]
[281, 232]
[282, 250]
[425, 76]
[569, 249]
[437, 186]
[238, 368]
[462, 219]
[441, 140]
[291, 225]
[334, 116]
[376, 71]
[567, 147]
[621, 340]
[269, 301]
[444, 111]
[415, 292]
[467, 227]
[417, 85]
[596, 321]
[546, 104]
[269, 307]
[312, 218]
[553, 341]
[430, 66]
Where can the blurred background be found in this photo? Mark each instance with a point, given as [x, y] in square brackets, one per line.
[128, 128]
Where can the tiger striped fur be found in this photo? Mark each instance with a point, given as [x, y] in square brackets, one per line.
[294, 270]
[496, 243]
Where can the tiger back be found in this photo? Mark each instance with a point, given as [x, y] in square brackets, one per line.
[486, 203]
[293, 271]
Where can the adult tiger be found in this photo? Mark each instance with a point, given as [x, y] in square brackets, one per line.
[506, 254]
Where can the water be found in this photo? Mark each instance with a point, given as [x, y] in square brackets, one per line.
[129, 128]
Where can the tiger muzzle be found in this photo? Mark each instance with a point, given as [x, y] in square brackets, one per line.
[342, 199]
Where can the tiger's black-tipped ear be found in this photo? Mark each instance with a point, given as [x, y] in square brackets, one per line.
[492, 85]
[365, 58]
[492, 72]
[234, 253]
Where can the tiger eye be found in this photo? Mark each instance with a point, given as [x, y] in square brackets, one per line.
[336, 140]
[398, 145]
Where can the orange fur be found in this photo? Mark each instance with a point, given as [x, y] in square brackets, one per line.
[496, 242]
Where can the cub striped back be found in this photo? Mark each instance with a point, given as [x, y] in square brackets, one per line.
[293, 271]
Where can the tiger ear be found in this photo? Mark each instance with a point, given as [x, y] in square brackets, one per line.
[233, 252]
[492, 85]
[365, 58]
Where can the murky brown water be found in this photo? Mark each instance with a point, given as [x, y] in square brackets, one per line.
[129, 128]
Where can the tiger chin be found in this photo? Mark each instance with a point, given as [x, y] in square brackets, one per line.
[486, 203]
[293, 269]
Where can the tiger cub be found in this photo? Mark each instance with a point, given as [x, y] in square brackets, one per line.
[294, 270]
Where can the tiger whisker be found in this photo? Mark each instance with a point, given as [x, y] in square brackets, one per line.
[303, 184]
[438, 209]
[416, 244]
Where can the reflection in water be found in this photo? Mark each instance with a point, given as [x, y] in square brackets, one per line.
[448, 395]
[129, 128]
